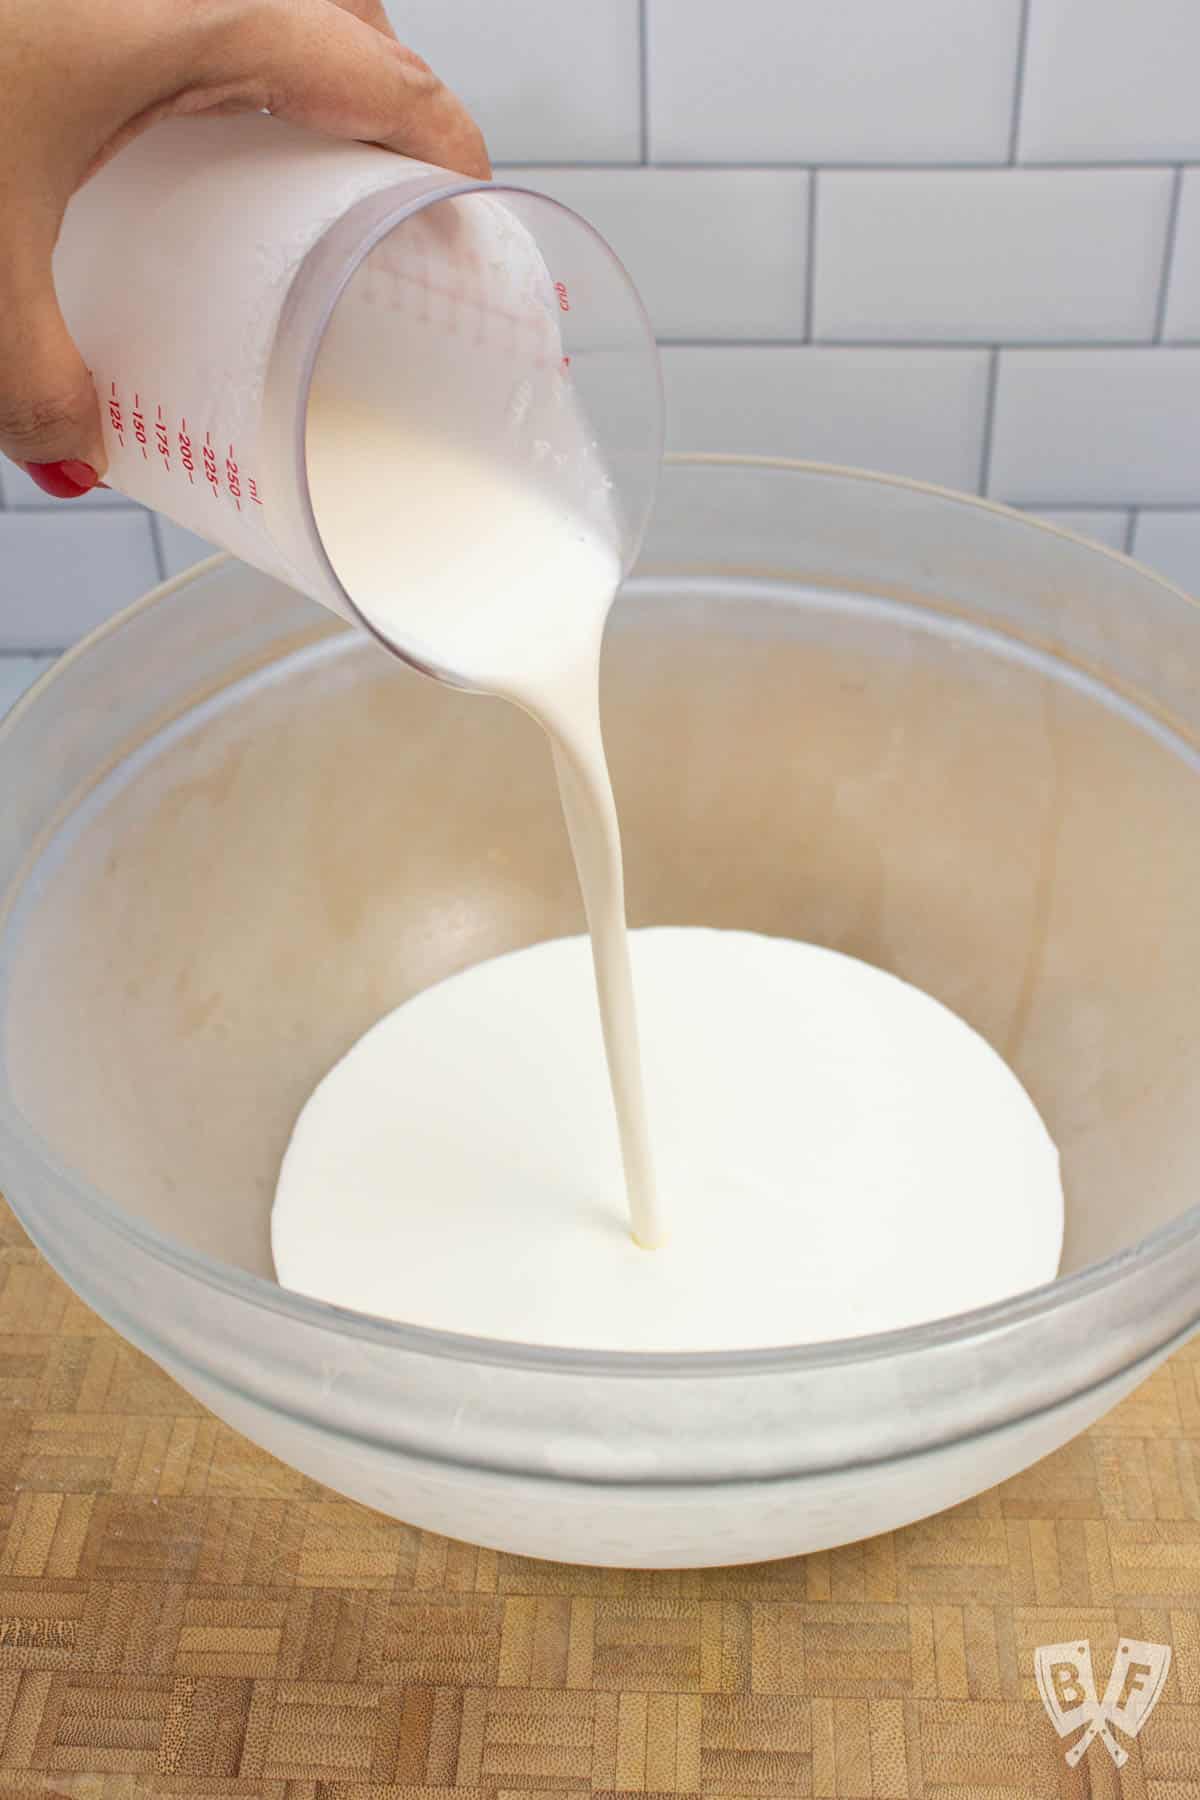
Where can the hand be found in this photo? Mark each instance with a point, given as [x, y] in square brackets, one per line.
[82, 77]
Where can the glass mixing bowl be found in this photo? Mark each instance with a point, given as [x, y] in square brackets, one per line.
[913, 726]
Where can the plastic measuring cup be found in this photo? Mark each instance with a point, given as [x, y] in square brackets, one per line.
[213, 265]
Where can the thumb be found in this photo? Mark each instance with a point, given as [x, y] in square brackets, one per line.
[325, 67]
[49, 414]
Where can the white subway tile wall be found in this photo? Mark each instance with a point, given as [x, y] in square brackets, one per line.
[862, 81]
[1109, 527]
[995, 255]
[1110, 81]
[953, 239]
[548, 82]
[179, 548]
[917, 411]
[1170, 542]
[1182, 319]
[16, 674]
[1101, 427]
[716, 253]
[64, 574]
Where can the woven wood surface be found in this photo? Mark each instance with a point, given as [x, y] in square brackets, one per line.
[182, 1615]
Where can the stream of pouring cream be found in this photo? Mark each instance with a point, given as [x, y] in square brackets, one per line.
[841, 1153]
[520, 608]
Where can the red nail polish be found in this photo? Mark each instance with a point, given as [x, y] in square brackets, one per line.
[65, 480]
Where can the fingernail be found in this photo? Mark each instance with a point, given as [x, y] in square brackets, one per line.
[65, 480]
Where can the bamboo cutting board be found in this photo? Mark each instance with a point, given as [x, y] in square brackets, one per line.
[182, 1615]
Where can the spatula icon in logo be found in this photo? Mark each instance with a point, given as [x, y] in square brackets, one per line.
[1068, 1690]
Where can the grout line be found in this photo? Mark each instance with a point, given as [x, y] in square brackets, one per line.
[732, 166]
[160, 557]
[644, 81]
[1073, 506]
[1165, 506]
[1164, 283]
[1069, 344]
[1105, 506]
[952, 346]
[666, 342]
[1014, 135]
[989, 419]
[1131, 530]
[810, 267]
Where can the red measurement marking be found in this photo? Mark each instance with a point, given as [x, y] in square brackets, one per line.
[232, 480]
[115, 417]
[252, 488]
[185, 451]
[564, 304]
[139, 423]
[210, 468]
[565, 365]
[162, 441]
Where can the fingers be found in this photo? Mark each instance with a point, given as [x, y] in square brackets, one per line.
[335, 68]
[49, 416]
[325, 66]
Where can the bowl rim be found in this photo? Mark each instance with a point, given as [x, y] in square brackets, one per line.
[1031, 1306]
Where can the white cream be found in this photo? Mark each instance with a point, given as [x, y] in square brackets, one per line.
[837, 1154]
[519, 611]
